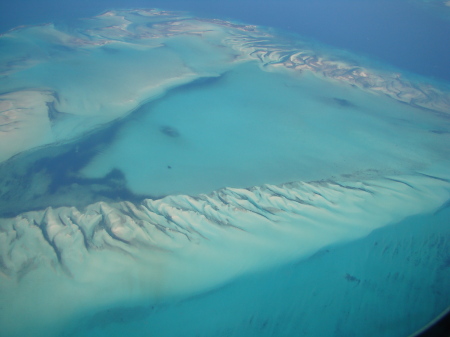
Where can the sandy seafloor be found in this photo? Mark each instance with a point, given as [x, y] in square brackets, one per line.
[169, 175]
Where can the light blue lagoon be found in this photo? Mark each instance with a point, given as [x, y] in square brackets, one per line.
[249, 127]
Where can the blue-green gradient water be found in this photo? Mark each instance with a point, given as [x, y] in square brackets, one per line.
[407, 34]
[168, 174]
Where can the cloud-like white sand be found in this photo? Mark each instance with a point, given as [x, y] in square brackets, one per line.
[357, 166]
[181, 245]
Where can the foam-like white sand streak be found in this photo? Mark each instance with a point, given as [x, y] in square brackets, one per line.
[69, 260]
[305, 57]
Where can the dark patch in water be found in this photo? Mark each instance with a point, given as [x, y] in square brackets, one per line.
[50, 176]
[169, 131]
[197, 84]
[201, 82]
[119, 315]
[337, 102]
[351, 278]
[54, 114]
[343, 102]
[440, 132]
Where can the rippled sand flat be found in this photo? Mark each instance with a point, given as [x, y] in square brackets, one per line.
[155, 164]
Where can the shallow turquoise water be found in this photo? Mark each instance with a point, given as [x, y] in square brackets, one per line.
[362, 288]
[194, 186]
[249, 127]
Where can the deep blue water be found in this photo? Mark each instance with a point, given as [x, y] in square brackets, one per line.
[402, 33]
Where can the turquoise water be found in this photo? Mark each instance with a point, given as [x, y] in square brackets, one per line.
[249, 127]
[362, 288]
[169, 176]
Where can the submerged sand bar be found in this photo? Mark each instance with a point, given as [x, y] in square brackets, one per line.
[88, 74]
[148, 157]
